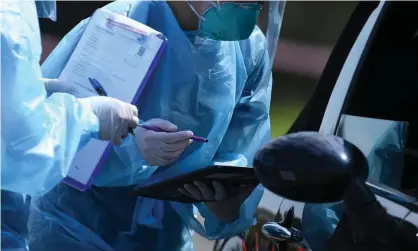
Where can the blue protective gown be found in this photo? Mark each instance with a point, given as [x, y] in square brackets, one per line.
[219, 90]
[14, 219]
[39, 135]
[319, 222]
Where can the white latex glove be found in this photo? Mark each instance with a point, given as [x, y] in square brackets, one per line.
[161, 148]
[56, 85]
[115, 117]
[226, 208]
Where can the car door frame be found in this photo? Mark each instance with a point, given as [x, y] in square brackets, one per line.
[324, 110]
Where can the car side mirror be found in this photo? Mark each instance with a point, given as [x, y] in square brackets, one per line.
[310, 166]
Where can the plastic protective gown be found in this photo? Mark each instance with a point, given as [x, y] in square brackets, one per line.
[216, 89]
[14, 220]
[39, 135]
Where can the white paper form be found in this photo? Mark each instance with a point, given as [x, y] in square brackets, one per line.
[119, 53]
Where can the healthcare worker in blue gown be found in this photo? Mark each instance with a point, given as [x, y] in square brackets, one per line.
[39, 134]
[214, 80]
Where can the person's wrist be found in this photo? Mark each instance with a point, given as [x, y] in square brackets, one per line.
[49, 86]
[137, 134]
[90, 119]
[224, 211]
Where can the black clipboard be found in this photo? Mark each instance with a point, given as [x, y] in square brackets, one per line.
[233, 177]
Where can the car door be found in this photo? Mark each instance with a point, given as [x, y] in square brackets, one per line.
[370, 76]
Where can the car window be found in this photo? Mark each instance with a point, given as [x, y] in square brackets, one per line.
[379, 113]
[338, 96]
[373, 105]
[312, 114]
[383, 143]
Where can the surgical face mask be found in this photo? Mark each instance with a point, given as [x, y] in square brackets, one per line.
[47, 9]
[228, 21]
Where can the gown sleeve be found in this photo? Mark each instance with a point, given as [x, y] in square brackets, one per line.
[39, 135]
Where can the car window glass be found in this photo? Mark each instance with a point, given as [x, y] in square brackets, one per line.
[337, 99]
[386, 89]
[382, 142]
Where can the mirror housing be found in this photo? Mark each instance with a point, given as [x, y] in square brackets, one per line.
[310, 166]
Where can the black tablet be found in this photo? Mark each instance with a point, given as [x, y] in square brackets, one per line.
[233, 177]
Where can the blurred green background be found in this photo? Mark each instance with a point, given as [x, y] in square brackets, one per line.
[313, 23]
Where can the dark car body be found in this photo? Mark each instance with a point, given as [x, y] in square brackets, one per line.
[373, 73]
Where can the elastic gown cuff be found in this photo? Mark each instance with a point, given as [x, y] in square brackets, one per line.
[90, 122]
[228, 219]
[224, 214]
[217, 228]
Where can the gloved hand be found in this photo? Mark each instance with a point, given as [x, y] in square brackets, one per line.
[226, 208]
[56, 85]
[161, 148]
[115, 117]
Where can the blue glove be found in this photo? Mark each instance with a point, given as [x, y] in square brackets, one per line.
[161, 148]
[115, 117]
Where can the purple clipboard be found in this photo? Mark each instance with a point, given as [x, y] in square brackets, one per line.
[77, 184]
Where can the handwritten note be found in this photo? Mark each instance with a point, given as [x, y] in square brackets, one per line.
[119, 53]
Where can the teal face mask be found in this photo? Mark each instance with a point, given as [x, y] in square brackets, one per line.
[228, 21]
[47, 9]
